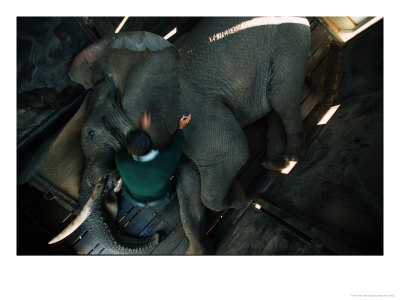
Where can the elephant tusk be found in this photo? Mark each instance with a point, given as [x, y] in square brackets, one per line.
[85, 211]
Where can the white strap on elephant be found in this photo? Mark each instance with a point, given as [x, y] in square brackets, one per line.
[261, 21]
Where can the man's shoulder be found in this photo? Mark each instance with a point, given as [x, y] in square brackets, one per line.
[122, 155]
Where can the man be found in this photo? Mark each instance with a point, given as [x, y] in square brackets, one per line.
[146, 172]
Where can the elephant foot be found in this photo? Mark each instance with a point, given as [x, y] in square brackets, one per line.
[275, 164]
[296, 148]
[295, 153]
[201, 248]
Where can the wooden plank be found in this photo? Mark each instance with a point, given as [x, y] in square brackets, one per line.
[317, 34]
[83, 243]
[319, 37]
[46, 187]
[313, 23]
[319, 50]
[173, 216]
[95, 249]
[165, 222]
[330, 90]
[259, 234]
[151, 226]
[352, 21]
[332, 23]
[32, 200]
[140, 221]
[161, 208]
[170, 215]
[312, 100]
[223, 224]
[105, 252]
[124, 207]
[213, 219]
[102, 26]
[128, 217]
[100, 250]
[310, 103]
[319, 74]
[168, 245]
[321, 240]
[54, 218]
[165, 230]
[316, 96]
[306, 91]
[318, 55]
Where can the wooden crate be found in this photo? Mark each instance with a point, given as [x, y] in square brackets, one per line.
[145, 221]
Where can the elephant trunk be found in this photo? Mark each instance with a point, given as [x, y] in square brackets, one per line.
[102, 226]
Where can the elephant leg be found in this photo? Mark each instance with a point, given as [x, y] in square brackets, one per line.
[218, 176]
[276, 141]
[217, 145]
[191, 209]
[288, 73]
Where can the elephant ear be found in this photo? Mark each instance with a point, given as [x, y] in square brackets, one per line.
[91, 64]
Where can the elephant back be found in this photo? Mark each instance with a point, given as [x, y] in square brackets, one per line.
[82, 68]
[230, 59]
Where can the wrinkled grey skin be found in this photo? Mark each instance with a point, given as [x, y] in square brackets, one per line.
[226, 84]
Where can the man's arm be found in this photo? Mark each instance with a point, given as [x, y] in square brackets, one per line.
[178, 140]
[173, 153]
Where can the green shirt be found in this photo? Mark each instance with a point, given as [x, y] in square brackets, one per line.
[146, 182]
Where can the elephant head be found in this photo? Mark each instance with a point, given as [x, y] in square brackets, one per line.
[126, 74]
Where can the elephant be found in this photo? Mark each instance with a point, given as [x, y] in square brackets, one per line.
[227, 72]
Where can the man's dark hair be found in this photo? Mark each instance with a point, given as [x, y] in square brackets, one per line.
[138, 142]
